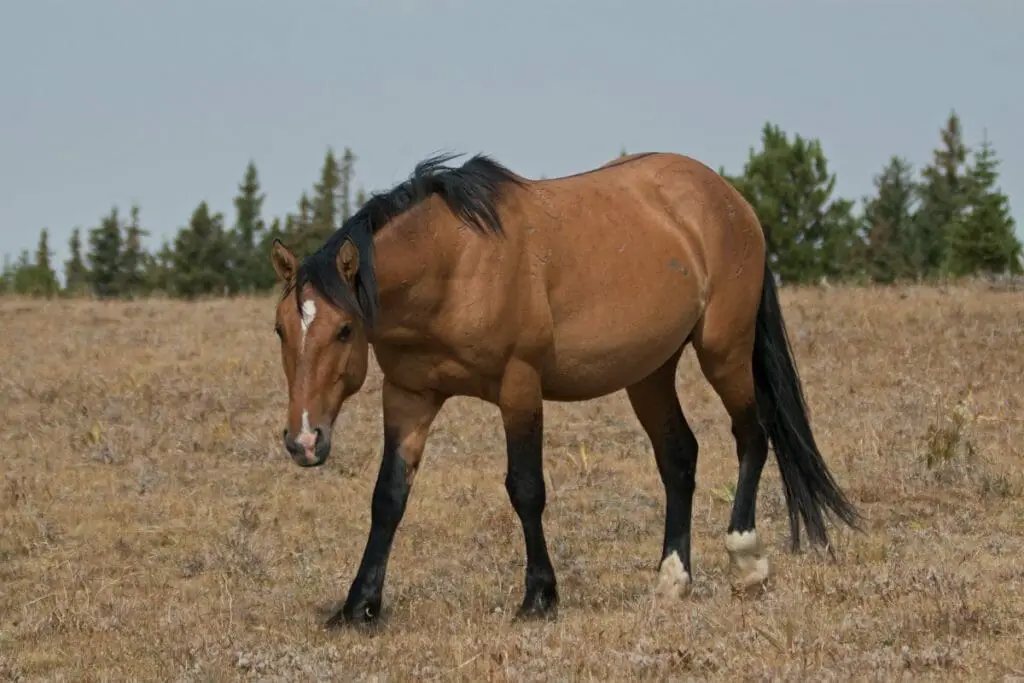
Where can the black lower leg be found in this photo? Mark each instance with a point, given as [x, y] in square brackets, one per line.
[389, 500]
[677, 463]
[752, 451]
[525, 485]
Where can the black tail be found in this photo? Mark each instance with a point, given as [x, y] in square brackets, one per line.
[809, 487]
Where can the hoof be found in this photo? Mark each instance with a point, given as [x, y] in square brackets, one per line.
[673, 580]
[539, 604]
[362, 613]
[748, 563]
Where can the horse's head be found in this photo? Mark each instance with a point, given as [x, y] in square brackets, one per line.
[324, 351]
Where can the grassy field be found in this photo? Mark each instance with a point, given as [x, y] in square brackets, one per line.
[152, 527]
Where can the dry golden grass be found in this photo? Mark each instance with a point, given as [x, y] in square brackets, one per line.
[154, 529]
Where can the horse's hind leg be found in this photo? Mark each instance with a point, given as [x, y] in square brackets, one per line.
[656, 405]
[724, 343]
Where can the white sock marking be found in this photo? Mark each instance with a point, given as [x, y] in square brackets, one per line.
[747, 558]
[673, 579]
[744, 542]
[308, 315]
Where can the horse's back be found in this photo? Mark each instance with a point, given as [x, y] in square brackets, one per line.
[623, 260]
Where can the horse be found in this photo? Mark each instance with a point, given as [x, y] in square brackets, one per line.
[475, 281]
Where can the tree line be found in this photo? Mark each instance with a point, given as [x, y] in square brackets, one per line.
[950, 219]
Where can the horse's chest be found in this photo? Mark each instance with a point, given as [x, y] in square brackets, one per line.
[470, 373]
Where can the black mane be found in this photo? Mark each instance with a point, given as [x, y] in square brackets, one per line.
[470, 191]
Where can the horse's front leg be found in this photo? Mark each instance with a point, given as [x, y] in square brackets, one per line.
[522, 413]
[407, 420]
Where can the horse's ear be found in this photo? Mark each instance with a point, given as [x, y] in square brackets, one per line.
[348, 260]
[285, 263]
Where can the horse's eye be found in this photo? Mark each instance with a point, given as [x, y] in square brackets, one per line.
[279, 331]
[345, 333]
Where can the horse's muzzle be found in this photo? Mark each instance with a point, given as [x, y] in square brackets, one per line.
[309, 449]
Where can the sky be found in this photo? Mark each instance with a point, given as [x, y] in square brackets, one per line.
[164, 102]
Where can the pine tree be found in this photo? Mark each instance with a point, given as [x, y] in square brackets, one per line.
[264, 275]
[23, 275]
[809, 234]
[889, 249]
[345, 175]
[942, 200]
[76, 275]
[159, 270]
[982, 239]
[324, 205]
[7, 276]
[200, 261]
[104, 255]
[299, 228]
[45, 280]
[133, 257]
[247, 233]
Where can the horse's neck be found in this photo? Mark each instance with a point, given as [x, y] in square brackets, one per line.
[407, 259]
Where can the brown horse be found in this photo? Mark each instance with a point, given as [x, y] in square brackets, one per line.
[474, 281]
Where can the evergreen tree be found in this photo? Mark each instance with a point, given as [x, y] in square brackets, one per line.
[76, 275]
[246, 264]
[889, 250]
[133, 257]
[200, 261]
[809, 234]
[360, 198]
[942, 200]
[299, 228]
[104, 255]
[264, 276]
[34, 277]
[46, 283]
[345, 175]
[23, 277]
[159, 270]
[7, 276]
[982, 239]
[324, 205]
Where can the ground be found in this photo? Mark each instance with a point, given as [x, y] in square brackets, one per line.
[153, 528]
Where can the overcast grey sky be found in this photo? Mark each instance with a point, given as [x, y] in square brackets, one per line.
[163, 102]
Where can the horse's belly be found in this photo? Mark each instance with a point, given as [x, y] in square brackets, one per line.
[586, 364]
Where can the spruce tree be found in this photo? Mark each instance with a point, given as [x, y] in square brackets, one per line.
[104, 255]
[133, 257]
[345, 175]
[324, 204]
[247, 233]
[76, 275]
[7, 276]
[23, 275]
[982, 239]
[159, 271]
[299, 228]
[942, 200]
[889, 249]
[200, 262]
[45, 280]
[810, 234]
[264, 275]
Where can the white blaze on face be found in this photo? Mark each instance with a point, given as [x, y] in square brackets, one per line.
[308, 315]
